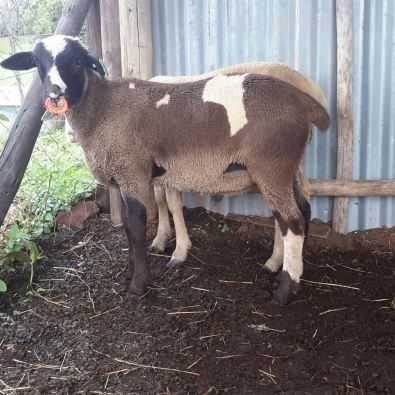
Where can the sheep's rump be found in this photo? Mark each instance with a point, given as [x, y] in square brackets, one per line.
[319, 112]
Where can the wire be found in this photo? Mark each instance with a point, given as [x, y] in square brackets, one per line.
[13, 76]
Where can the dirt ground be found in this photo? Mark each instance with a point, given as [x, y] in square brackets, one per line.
[206, 327]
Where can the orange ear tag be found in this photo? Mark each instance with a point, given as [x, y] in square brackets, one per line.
[59, 108]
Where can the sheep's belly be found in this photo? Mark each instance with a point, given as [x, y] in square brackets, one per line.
[198, 181]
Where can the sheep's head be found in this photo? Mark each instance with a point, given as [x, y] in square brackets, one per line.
[62, 63]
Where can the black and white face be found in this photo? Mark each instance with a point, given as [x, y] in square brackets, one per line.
[62, 63]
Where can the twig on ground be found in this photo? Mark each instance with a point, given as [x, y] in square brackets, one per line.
[103, 247]
[271, 376]
[187, 312]
[189, 278]
[194, 363]
[79, 245]
[160, 255]
[197, 258]
[104, 312]
[40, 366]
[231, 356]
[210, 336]
[332, 310]
[330, 284]
[200, 289]
[51, 301]
[143, 366]
[236, 282]
[265, 328]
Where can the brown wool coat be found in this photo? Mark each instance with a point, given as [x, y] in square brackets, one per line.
[124, 133]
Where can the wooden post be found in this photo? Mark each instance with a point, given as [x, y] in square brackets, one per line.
[109, 17]
[344, 108]
[94, 29]
[136, 38]
[111, 48]
[24, 132]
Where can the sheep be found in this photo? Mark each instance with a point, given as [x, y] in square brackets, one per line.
[202, 136]
[171, 199]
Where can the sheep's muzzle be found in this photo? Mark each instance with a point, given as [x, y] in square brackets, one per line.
[57, 105]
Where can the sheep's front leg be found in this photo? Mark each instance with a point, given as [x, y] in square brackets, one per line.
[135, 223]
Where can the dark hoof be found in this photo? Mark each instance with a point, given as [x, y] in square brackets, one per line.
[173, 263]
[138, 287]
[286, 288]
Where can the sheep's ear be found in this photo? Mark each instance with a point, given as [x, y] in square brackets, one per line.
[19, 61]
[95, 65]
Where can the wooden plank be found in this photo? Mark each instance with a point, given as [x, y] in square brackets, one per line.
[94, 29]
[136, 38]
[344, 109]
[111, 46]
[351, 188]
[26, 127]
[111, 49]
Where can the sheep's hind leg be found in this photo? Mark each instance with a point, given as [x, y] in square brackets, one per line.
[135, 222]
[183, 242]
[164, 230]
[292, 227]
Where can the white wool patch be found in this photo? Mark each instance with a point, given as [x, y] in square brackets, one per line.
[164, 101]
[56, 44]
[228, 91]
[55, 78]
[132, 85]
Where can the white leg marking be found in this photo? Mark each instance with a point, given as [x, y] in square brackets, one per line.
[183, 242]
[228, 91]
[274, 263]
[164, 230]
[293, 261]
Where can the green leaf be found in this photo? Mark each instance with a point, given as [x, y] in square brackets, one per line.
[3, 286]
[4, 118]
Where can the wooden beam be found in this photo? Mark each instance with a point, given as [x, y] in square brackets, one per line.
[136, 38]
[24, 132]
[94, 29]
[344, 109]
[349, 188]
[111, 46]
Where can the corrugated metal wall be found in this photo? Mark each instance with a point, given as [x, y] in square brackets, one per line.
[192, 37]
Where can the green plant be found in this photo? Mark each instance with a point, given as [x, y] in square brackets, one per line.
[55, 178]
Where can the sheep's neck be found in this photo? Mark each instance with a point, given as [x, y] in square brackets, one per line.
[84, 116]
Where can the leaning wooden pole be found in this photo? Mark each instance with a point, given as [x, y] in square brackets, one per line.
[344, 109]
[24, 132]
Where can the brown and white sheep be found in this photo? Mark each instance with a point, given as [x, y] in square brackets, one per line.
[171, 199]
[201, 136]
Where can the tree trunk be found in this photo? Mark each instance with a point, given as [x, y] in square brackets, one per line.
[24, 132]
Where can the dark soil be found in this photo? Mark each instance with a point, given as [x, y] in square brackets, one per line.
[206, 327]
